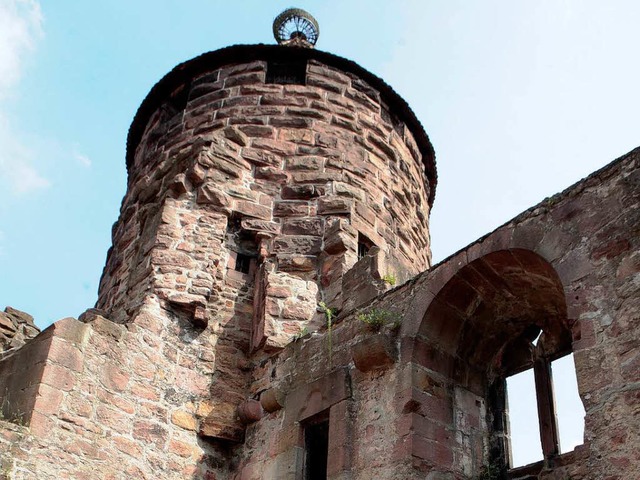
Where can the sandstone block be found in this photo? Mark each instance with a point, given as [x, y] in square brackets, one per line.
[252, 209]
[150, 432]
[260, 157]
[307, 162]
[249, 78]
[172, 257]
[250, 411]
[291, 209]
[263, 131]
[184, 420]
[329, 205]
[278, 147]
[272, 173]
[58, 377]
[210, 427]
[260, 226]
[286, 100]
[291, 122]
[301, 192]
[235, 135]
[114, 378]
[303, 226]
[374, 351]
[297, 136]
[300, 245]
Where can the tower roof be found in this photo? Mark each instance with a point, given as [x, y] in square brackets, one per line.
[237, 54]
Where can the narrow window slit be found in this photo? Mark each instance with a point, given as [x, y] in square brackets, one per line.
[364, 245]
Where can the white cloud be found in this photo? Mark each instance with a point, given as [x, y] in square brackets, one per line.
[20, 29]
[81, 158]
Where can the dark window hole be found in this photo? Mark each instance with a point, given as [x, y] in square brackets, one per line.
[287, 73]
[243, 263]
[316, 445]
[364, 245]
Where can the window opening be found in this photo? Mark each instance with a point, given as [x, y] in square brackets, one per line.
[522, 413]
[569, 408]
[242, 243]
[316, 443]
[534, 342]
[364, 245]
[243, 263]
[292, 72]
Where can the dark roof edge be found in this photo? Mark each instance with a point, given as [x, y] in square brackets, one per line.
[248, 53]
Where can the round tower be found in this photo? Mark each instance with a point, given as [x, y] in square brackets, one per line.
[264, 181]
[259, 176]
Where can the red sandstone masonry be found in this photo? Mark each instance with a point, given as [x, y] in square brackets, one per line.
[294, 175]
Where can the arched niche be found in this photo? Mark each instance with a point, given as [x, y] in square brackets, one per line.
[497, 315]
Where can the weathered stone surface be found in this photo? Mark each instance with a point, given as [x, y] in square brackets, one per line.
[250, 411]
[301, 192]
[334, 205]
[373, 352]
[16, 329]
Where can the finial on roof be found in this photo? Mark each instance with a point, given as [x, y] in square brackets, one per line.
[295, 27]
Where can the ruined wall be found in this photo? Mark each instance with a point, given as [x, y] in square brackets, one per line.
[121, 400]
[16, 329]
[423, 411]
[179, 376]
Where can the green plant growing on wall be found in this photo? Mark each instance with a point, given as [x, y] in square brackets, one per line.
[390, 278]
[17, 419]
[376, 318]
[301, 334]
[329, 314]
[490, 472]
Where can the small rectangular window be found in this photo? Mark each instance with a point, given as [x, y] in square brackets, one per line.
[316, 446]
[364, 245]
[243, 263]
[292, 72]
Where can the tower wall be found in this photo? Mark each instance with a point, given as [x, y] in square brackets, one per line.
[294, 177]
[251, 200]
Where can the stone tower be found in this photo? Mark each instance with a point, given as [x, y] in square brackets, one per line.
[264, 180]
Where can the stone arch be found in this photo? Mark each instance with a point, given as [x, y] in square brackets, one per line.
[478, 327]
[492, 299]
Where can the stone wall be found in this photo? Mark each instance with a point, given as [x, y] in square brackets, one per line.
[122, 400]
[427, 409]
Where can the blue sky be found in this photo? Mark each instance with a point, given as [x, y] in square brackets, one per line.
[520, 99]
